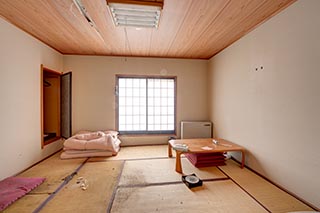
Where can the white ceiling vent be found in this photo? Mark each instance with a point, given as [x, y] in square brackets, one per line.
[140, 14]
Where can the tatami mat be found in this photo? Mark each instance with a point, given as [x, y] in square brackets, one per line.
[269, 195]
[54, 170]
[144, 172]
[102, 178]
[143, 179]
[26, 204]
[137, 152]
[215, 196]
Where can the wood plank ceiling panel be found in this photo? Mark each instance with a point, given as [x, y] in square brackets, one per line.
[187, 29]
[24, 19]
[235, 21]
[138, 40]
[114, 38]
[204, 13]
[264, 12]
[228, 19]
[83, 33]
[56, 23]
[172, 16]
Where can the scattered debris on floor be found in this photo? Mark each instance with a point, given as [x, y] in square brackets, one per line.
[83, 183]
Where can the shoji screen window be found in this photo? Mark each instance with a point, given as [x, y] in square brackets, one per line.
[146, 105]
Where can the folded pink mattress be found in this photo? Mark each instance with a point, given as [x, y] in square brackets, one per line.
[93, 141]
[91, 144]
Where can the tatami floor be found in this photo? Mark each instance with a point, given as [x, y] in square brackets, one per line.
[143, 179]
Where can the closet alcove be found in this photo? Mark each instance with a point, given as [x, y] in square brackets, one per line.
[55, 105]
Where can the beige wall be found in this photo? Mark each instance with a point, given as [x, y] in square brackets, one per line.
[20, 59]
[94, 82]
[274, 112]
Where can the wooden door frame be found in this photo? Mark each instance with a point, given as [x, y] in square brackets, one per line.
[42, 70]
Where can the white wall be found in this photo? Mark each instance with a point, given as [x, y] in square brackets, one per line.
[94, 82]
[274, 112]
[20, 58]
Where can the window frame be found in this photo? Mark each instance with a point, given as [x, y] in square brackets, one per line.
[140, 132]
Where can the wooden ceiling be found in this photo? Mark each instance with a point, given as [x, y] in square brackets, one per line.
[187, 29]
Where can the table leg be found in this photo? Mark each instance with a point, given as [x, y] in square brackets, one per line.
[169, 150]
[178, 162]
[243, 159]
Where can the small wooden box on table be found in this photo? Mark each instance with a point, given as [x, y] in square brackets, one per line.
[204, 145]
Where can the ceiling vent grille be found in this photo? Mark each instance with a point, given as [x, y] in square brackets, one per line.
[139, 14]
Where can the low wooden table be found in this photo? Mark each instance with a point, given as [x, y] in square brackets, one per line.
[203, 145]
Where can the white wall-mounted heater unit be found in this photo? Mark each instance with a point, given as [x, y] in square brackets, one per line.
[196, 129]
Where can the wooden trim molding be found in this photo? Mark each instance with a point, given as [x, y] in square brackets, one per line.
[41, 106]
[138, 2]
[55, 74]
[145, 76]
